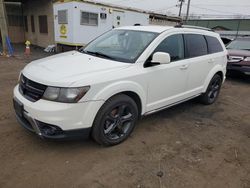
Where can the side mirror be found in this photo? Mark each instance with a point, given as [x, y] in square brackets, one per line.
[161, 58]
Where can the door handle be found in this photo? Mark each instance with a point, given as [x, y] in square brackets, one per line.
[183, 67]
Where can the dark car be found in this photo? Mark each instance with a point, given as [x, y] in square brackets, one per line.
[239, 56]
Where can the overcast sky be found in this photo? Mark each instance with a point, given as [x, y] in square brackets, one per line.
[210, 7]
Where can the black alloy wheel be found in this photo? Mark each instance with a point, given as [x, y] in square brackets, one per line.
[213, 90]
[115, 120]
[118, 122]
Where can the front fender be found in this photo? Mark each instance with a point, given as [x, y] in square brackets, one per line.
[122, 86]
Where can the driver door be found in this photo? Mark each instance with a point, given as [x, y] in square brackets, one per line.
[167, 83]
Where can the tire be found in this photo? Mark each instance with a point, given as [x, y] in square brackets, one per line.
[115, 120]
[212, 92]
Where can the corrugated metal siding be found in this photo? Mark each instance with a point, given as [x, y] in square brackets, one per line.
[244, 25]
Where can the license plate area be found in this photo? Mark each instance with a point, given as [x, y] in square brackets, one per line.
[18, 106]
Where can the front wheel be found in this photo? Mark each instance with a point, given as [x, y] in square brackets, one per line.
[213, 90]
[115, 120]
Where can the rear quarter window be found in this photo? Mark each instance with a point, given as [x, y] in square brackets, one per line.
[213, 44]
[196, 45]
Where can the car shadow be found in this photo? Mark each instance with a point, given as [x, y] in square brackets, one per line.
[238, 77]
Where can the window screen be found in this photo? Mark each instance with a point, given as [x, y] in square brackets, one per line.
[88, 18]
[62, 16]
[43, 24]
[214, 45]
[172, 45]
[196, 45]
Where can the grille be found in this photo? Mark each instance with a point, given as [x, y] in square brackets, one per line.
[31, 90]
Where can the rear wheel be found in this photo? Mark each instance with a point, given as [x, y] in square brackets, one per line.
[213, 90]
[115, 120]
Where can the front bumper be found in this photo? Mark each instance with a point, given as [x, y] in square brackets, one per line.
[36, 127]
[239, 68]
[55, 120]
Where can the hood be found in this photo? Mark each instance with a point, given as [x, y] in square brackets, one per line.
[243, 53]
[66, 68]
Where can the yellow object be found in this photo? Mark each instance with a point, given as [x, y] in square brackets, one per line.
[63, 29]
[27, 43]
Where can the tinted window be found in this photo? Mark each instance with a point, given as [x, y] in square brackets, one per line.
[196, 45]
[174, 46]
[213, 45]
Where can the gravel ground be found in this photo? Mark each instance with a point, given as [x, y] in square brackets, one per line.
[189, 145]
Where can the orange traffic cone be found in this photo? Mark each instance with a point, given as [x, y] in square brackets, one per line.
[27, 50]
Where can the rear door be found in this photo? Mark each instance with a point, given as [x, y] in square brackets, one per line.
[199, 60]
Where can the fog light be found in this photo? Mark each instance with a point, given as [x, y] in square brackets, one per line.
[49, 130]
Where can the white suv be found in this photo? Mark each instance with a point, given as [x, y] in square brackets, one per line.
[102, 89]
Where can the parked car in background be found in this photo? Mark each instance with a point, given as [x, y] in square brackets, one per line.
[239, 56]
[122, 75]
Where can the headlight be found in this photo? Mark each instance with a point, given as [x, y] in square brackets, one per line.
[234, 59]
[65, 95]
[247, 59]
[19, 76]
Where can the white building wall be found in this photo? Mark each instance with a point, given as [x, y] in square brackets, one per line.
[68, 37]
[85, 33]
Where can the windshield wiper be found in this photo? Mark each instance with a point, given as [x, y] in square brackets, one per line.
[99, 54]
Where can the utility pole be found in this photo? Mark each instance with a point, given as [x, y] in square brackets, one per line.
[3, 25]
[181, 3]
[188, 8]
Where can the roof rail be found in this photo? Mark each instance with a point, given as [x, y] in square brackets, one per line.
[192, 27]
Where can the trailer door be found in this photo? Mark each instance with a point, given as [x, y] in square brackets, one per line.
[118, 18]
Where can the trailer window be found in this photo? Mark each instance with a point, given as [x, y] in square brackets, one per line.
[62, 16]
[88, 18]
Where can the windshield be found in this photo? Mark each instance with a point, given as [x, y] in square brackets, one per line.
[239, 45]
[120, 45]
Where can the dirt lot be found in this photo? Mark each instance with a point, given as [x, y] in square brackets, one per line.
[189, 145]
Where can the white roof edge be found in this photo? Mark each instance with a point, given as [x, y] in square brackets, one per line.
[153, 28]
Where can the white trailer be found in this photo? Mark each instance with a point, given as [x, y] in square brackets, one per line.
[76, 23]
